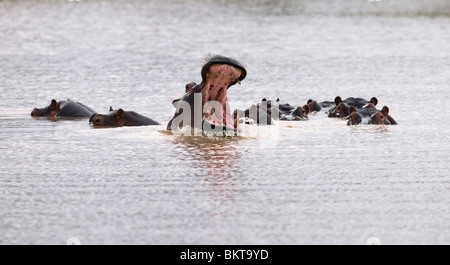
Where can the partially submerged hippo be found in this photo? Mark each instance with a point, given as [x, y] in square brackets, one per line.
[265, 112]
[257, 114]
[119, 118]
[287, 112]
[314, 106]
[370, 116]
[205, 105]
[300, 113]
[64, 109]
[342, 107]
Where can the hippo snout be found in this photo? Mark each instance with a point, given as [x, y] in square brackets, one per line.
[97, 120]
[34, 112]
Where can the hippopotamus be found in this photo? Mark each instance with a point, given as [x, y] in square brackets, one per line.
[285, 110]
[300, 113]
[314, 106]
[64, 109]
[119, 118]
[370, 116]
[260, 114]
[252, 115]
[205, 105]
[296, 114]
[341, 108]
[264, 112]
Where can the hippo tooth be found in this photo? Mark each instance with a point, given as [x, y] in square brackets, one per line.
[208, 74]
[219, 93]
[238, 81]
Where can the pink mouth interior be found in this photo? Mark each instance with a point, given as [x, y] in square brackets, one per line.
[219, 78]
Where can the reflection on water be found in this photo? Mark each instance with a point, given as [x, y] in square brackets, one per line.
[217, 159]
[371, 128]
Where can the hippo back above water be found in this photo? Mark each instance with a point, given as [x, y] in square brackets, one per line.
[64, 109]
[119, 118]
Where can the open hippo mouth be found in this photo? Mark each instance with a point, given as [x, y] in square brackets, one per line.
[218, 74]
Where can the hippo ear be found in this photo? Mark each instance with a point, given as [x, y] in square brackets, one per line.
[309, 101]
[190, 86]
[352, 109]
[120, 114]
[337, 100]
[278, 99]
[385, 110]
[111, 108]
[264, 99]
[54, 105]
[374, 101]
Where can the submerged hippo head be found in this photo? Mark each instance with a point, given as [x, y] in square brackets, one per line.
[119, 118]
[368, 116]
[301, 113]
[354, 118]
[49, 111]
[380, 117]
[313, 106]
[342, 110]
[64, 109]
[205, 106]
[114, 118]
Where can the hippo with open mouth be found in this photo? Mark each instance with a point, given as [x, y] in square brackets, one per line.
[205, 105]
